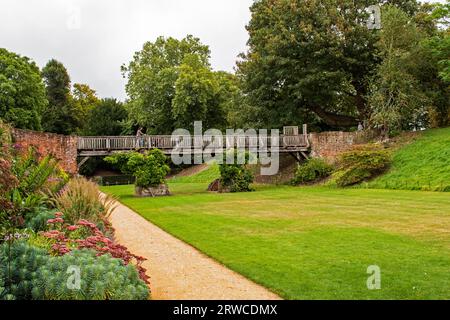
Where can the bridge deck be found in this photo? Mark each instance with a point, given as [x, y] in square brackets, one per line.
[102, 146]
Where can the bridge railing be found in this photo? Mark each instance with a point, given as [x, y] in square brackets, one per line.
[170, 142]
[290, 139]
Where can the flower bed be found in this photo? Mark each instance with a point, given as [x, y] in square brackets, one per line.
[50, 226]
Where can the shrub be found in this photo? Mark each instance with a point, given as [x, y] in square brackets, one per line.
[361, 164]
[4, 295]
[149, 169]
[35, 175]
[80, 199]
[25, 183]
[37, 275]
[18, 265]
[102, 278]
[39, 241]
[86, 235]
[312, 170]
[236, 177]
[38, 221]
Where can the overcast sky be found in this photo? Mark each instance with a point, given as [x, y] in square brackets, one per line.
[93, 38]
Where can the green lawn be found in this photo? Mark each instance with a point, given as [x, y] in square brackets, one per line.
[422, 165]
[314, 243]
[206, 176]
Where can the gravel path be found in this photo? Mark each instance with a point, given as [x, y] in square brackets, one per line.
[177, 270]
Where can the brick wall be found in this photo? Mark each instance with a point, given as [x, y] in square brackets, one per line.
[328, 145]
[63, 148]
[325, 145]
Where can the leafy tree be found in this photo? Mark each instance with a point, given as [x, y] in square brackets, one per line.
[170, 84]
[396, 97]
[440, 43]
[239, 113]
[22, 92]
[197, 97]
[61, 115]
[105, 118]
[150, 169]
[85, 100]
[408, 90]
[310, 59]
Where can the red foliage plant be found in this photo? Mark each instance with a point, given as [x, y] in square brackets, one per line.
[8, 180]
[65, 240]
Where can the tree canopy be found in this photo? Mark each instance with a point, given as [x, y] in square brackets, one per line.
[408, 90]
[171, 85]
[396, 99]
[22, 92]
[310, 60]
[60, 115]
[106, 118]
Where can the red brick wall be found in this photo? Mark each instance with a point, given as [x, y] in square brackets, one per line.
[328, 145]
[63, 148]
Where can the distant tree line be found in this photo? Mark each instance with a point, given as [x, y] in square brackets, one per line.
[45, 100]
[309, 61]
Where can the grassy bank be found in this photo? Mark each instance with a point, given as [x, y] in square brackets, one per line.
[422, 165]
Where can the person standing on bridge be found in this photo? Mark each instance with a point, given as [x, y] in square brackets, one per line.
[140, 138]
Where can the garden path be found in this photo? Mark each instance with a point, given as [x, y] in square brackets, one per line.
[177, 270]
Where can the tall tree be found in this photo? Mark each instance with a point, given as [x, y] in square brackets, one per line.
[310, 59]
[396, 97]
[198, 96]
[60, 116]
[171, 84]
[22, 92]
[105, 118]
[84, 99]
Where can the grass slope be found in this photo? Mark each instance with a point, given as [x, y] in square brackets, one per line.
[205, 176]
[421, 165]
[314, 243]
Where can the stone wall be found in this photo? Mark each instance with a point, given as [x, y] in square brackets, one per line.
[63, 148]
[328, 145]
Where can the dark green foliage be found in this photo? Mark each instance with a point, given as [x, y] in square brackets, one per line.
[36, 275]
[308, 59]
[3, 293]
[313, 61]
[37, 221]
[106, 118]
[361, 164]
[150, 169]
[61, 115]
[312, 170]
[28, 193]
[34, 174]
[22, 92]
[90, 166]
[236, 177]
[120, 161]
